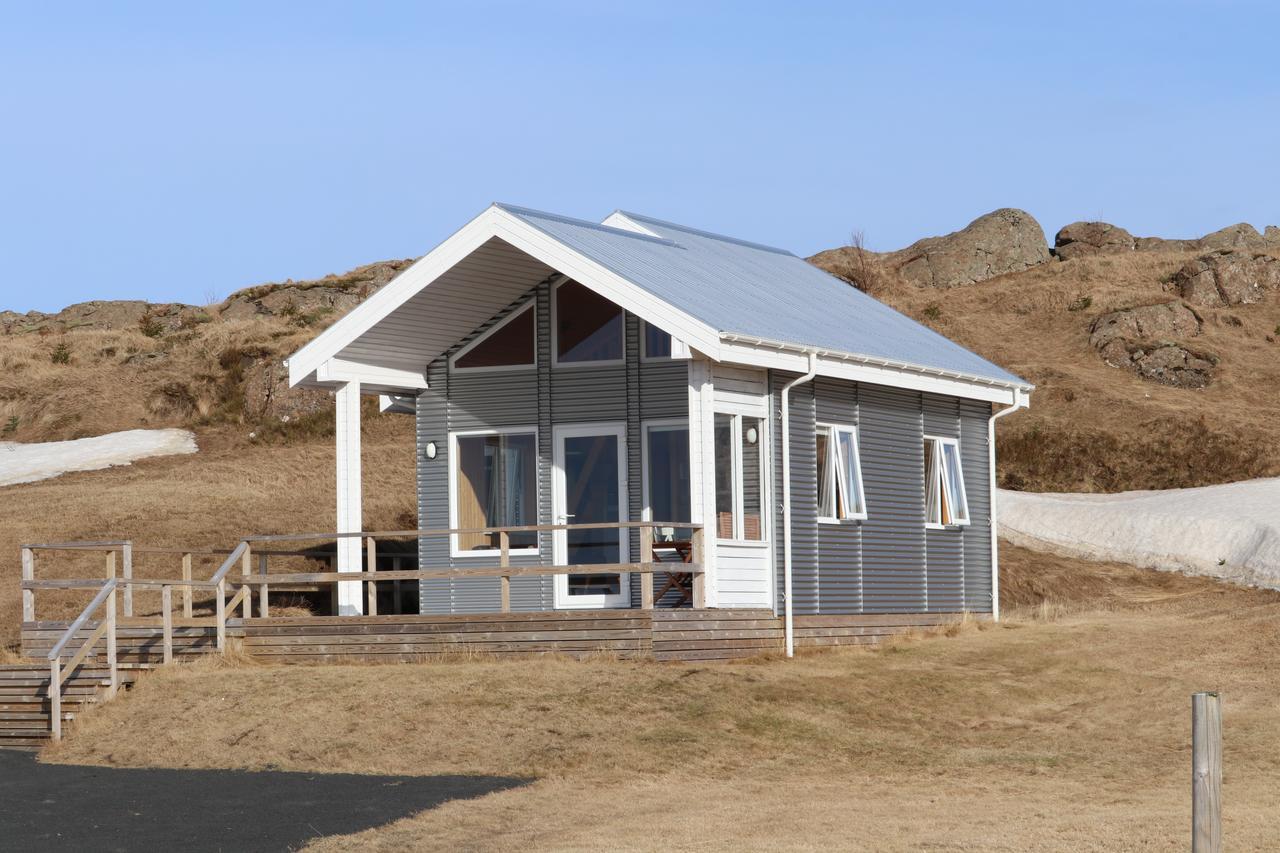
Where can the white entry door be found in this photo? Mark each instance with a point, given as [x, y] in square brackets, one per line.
[589, 485]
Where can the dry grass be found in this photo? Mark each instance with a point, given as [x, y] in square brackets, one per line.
[1092, 427]
[1069, 732]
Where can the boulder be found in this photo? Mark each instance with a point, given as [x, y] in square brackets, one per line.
[1242, 235]
[1000, 242]
[1172, 364]
[1091, 238]
[1160, 244]
[1147, 322]
[267, 394]
[1271, 234]
[1227, 277]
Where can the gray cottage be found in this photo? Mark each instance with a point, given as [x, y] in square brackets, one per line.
[601, 406]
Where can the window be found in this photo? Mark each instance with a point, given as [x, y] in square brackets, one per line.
[511, 343]
[495, 483]
[840, 493]
[944, 498]
[656, 343]
[667, 478]
[588, 327]
[739, 478]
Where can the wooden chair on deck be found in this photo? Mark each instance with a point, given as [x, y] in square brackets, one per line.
[675, 551]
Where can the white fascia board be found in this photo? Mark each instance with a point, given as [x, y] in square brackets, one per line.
[403, 287]
[631, 297]
[838, 367]
[338, 370]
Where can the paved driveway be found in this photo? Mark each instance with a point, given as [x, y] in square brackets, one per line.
[69, 807]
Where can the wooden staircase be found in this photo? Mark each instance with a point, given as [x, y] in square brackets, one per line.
[24, 698]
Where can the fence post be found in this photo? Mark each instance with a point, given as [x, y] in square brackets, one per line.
[28, 595]
[55, 697]
[246, 566]
[220, 605]
[126, 557]
[263, 610]
[111, 645]
[646, 561]
[1206, 773]
[371, 546]
[397, 589]
[186, 590]
[504, 561]
[166, 607]
[699, 559]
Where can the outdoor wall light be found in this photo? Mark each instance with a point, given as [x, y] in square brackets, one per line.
[431, 450]
[752, 435]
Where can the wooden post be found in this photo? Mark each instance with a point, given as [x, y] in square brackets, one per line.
[398, 607]
[263, 609]
[1206, 773]
[646, 559]
[504, 561]
[111, 645]
[371, 545]
[186, 590]
[699, 555]
[127, 572]
[334, 598]
[55, 698]
[220, 605]
[28, 595]
[166, 607]
[246, 567]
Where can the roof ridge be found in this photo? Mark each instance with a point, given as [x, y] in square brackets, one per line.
[584, 223]
[662, 223]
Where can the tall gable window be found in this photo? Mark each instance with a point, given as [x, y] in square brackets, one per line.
[945, 501]
[588, 326]
[509, 344]
[840, 493]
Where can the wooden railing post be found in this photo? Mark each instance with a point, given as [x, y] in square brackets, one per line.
[126, 557]
[397, 590]
[699, 554]
[186, 590]
[111, 645]
[28, 595]
[1206, 773]
[263, 609]
[55, 697]
[166, 616]
[504, 561]
[246, 564]
[220, 605]
[371, 546]
[646, 560]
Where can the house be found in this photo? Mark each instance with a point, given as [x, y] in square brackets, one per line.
[838, 456]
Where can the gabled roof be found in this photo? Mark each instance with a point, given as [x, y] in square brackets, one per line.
[714, 293]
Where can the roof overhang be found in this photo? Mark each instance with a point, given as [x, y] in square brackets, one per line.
[386, 342]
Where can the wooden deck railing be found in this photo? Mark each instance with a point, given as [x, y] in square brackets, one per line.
[59, 671]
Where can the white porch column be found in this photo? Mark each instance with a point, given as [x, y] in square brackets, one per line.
[350, 513]
[702, 468]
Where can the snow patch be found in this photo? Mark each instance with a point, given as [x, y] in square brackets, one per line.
[26, 463]
[1230, 531]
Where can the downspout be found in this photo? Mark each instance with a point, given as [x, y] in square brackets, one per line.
[788, 631]
[1019, 402]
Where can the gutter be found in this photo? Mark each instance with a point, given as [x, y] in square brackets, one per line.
[788, 627]
[1019, 402]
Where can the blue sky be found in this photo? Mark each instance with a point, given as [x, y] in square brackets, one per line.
[176, 151]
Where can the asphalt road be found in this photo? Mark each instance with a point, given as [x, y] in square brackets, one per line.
[70, 807]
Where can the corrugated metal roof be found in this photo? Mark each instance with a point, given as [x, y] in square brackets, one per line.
[755, 291]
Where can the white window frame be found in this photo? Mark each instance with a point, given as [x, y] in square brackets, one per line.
[837, 461]
[939, 457]
[555, 332]
[454, 550]
[560, 538]
[735, 431]
[453, 359]
[646, 509]
[645, 325]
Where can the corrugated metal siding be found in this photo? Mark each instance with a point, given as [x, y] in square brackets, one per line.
[839, 545]
[975, 459]
[804, 493]
[944, 554]
[631, 393]
[893, 541]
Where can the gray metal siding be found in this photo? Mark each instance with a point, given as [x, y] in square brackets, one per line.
[544, 397]
[975, 459]
[804, 493]
[839, 545]
[944, 553]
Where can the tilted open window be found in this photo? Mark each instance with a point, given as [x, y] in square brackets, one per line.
[588, 327]
[510, 344]
[494, 482]
[840, 493]
[944, 499]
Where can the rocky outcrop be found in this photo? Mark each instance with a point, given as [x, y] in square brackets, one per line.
[1239, 236]
[151, 319]
[310, 302]
[267, 394]
[1091, 238]
[1227, 277]
[1138, 339]
[1003, 241]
